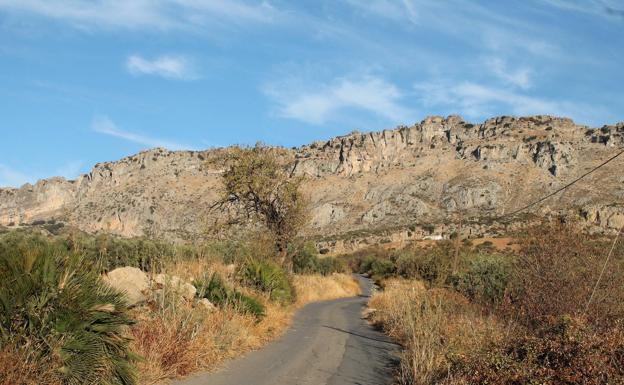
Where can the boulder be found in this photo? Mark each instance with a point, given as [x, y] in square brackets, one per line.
[204, 303]
[130, 281]
[172, 282]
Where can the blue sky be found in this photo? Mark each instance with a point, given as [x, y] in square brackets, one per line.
[83, 82]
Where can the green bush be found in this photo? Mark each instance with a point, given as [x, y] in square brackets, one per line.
[56, 303]
[330, 265]
[307, 261]
[485, 279]
[382, 268]
[376, 266]
[432, 266]
[218, 293]
[268, 277]
[365, 265]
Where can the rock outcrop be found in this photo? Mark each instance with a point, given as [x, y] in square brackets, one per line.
[427, 173]
[130, 281]
[139, 287]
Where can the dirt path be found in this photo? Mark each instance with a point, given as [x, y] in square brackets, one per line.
[328, 343]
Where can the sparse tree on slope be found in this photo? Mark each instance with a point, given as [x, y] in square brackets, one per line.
[258, 184]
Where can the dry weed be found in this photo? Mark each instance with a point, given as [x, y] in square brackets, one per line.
[316, 287]
[177, 339]
[434, 326]
[23, 366]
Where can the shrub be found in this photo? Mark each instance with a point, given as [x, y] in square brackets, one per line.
[56, 303]
[432, 265]
[268, 277]
[566, 351]
[382, 268]
[434, 327]
[557, 270]
[306, 261]
[485, 279]
[218, 293]
[365, 265]
[330, 265]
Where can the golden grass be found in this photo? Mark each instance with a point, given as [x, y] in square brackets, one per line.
[175, 344]
[22, 365]
[315, 287]
[434, 326]
[177, 339]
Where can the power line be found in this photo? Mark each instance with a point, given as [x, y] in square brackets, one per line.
[604, 267]
[562, 188]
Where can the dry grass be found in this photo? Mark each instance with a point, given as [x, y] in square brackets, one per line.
[175, 344]
[315, 287]
[435, 327]
[23, 366]
[177, 339]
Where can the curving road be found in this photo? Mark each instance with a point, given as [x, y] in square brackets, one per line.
[328, 344]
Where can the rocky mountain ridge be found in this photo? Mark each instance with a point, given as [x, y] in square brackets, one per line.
[420, 177]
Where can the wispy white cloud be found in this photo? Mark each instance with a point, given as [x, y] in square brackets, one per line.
[390, 9]
[316, 105]
[105, 125]
[472, 23]
[613, 9]
[520, 77]
[166, 66]
[480, 101]
[146, 14]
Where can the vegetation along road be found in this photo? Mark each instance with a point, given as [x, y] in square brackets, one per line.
[328, 343]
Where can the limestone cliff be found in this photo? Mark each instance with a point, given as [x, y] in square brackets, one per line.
[398, 179]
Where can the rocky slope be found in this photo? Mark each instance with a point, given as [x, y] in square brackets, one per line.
[407, 183]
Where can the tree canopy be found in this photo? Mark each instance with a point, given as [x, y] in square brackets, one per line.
[258, 183]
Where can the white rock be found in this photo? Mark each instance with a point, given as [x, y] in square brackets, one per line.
[130, 281]
[206, 304]
[172, 282]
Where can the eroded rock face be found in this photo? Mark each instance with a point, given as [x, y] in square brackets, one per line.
[611, 216]
[419, 174]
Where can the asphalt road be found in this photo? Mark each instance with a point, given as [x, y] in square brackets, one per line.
[328, 344]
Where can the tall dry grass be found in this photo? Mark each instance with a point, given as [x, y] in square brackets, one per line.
[436, 327]
[175, 344]
[178, 338]
[316, 287]
[21, 365]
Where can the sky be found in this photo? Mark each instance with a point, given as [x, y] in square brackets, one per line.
[83, 82]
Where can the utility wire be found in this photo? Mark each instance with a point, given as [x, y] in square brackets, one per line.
[562, 188]
[604, 267]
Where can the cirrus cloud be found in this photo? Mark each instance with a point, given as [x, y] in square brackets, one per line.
[318, 104]
[166, 66]
[104, 125]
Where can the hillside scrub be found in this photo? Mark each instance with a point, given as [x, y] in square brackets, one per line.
[177, 339]
[307, 261]
[520, 320]
[269, 278]
[59, 317]
[217, 292]
[48, 283]
[435, 327]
